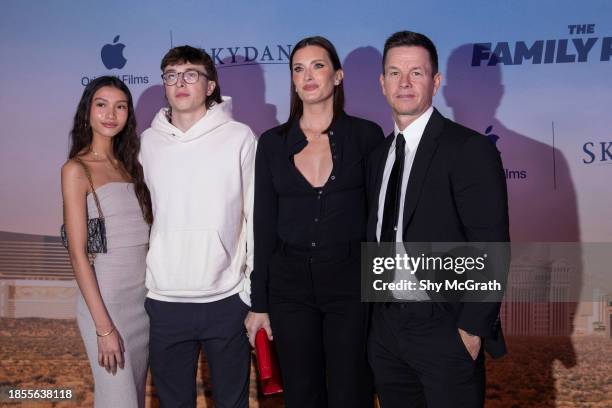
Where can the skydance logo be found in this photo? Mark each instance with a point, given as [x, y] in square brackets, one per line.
[112, 58]
[597, 153]
[250, 55]
[584, 47]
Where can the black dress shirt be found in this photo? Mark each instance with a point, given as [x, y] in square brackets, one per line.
[289, 209]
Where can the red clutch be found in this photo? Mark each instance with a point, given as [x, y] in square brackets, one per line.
[267, 364]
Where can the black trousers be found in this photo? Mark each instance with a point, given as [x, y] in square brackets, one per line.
[179, 330]
[320, 327]
[419, 359]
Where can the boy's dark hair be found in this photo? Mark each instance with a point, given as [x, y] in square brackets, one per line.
[187, 54]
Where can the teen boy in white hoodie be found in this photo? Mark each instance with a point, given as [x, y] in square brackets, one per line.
[198, 165]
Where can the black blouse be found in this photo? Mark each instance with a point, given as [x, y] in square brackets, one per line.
[289, 209]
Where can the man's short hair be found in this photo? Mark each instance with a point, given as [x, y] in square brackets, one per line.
[412, 39]
[186, 54]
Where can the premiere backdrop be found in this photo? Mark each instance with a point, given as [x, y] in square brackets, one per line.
[534, 77]
[537, 84]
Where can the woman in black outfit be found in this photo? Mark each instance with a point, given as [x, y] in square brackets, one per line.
[309, 220]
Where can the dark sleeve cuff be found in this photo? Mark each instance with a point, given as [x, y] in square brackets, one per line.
[259, 297]
[259, 309]
[480, 319]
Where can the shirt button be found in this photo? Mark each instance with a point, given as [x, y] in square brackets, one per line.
[316, 220]
[320, 192]
[333, 177]
[331, 132]
[313, 244]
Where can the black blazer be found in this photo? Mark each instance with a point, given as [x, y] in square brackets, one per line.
[288, 209]
[456, 193]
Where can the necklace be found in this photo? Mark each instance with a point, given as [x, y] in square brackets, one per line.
[113, 162]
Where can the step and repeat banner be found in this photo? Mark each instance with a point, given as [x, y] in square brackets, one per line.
[533, 77]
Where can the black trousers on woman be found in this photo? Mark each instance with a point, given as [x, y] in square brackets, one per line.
[320, 326]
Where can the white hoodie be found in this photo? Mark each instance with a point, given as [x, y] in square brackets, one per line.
[201, 183]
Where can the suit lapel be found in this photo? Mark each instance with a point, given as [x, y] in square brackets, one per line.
[381, 164]
[420, 166]
[378, 169]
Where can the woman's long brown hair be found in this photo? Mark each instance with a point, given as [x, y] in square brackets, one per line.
[126, 144]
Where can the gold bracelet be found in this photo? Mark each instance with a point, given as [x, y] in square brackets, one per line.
[105, 334]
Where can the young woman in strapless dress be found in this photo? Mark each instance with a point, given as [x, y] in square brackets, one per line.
[103, 166]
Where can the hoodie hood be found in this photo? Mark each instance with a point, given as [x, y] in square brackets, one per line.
[218, 115]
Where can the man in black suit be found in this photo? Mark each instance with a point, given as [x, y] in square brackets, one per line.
[432, 180]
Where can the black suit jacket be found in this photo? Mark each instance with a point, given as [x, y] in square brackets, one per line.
[456, 193]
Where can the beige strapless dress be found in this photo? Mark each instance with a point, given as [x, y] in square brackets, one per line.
[121, 278]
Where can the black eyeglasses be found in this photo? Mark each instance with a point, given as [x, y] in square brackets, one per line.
[190, 76]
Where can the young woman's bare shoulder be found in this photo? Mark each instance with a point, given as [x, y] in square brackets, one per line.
[73, 175]
[71, 170]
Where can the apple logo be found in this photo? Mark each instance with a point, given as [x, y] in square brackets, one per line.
[492, 137]
[112, 55]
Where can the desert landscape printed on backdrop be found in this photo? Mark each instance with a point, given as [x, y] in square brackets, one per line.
[539, 372]
[546, 367]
